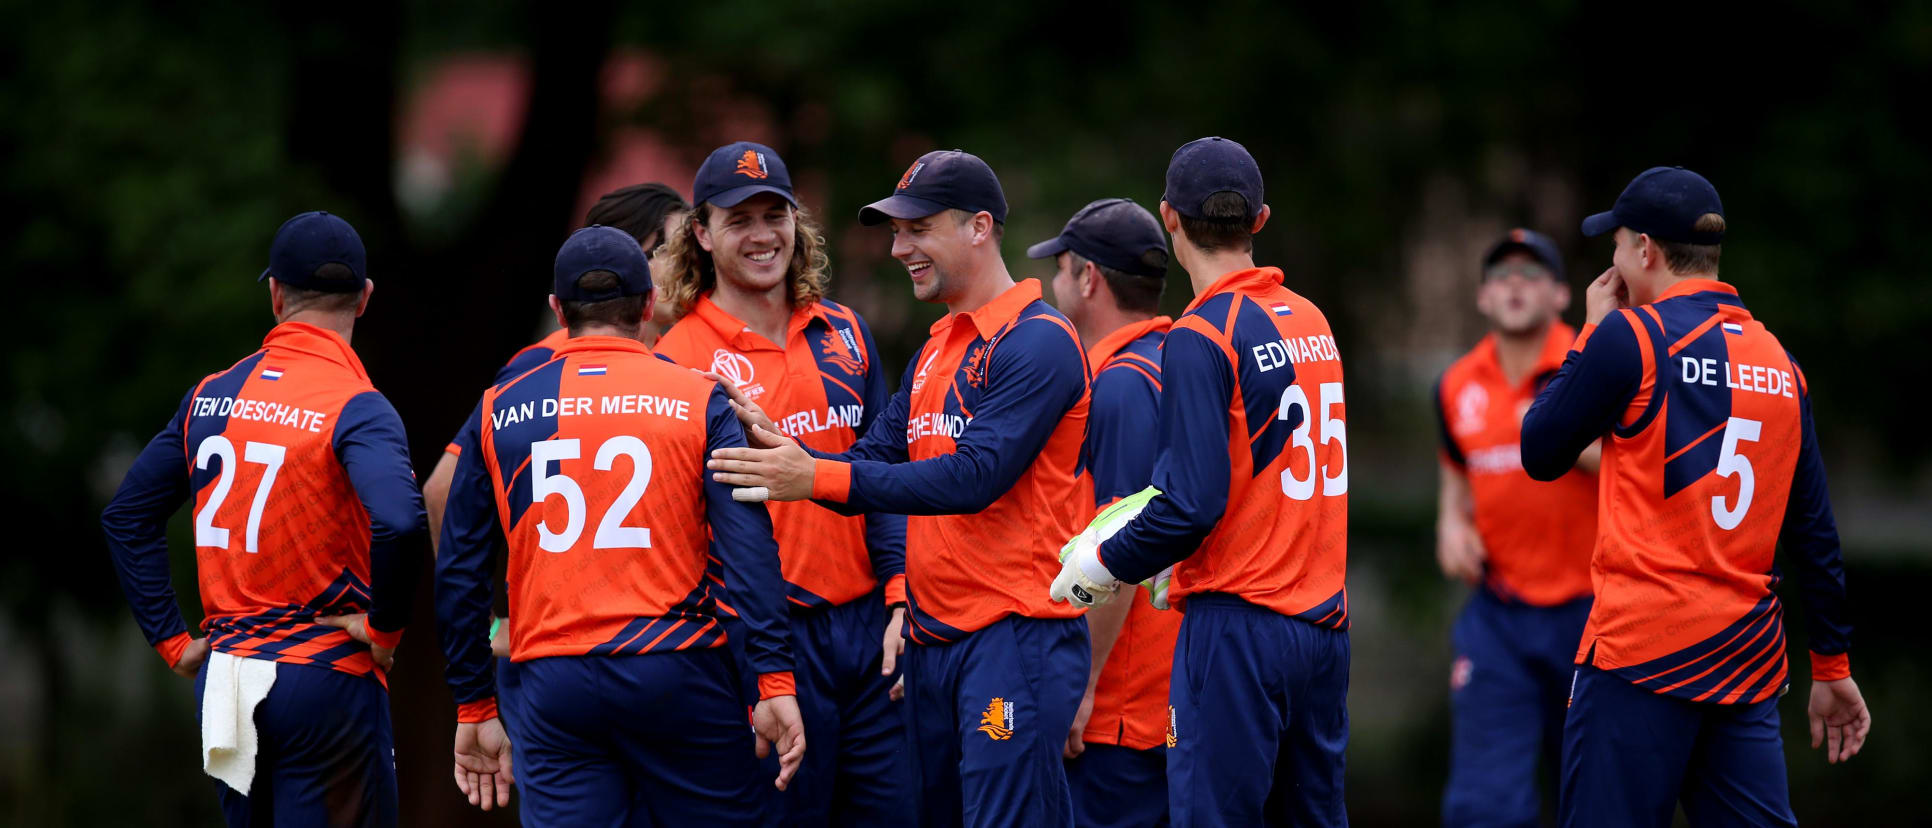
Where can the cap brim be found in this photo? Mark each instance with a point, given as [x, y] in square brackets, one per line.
[1601, 224]
[731, 197]
[1047, 249]
[899, 207]
[265, 274]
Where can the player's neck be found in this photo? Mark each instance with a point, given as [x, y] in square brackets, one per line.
[344, 325]
[1661, 283]
[1105, 319]
[1204, 269]
[988, 281]
[607, 330]
[766, 312]
[1518, 352]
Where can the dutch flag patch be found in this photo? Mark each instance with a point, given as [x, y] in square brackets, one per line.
[1283, 310]
[271, 373]
[592, 370]
[1733, 328]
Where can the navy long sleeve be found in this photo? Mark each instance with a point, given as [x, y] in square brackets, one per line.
[1810, 535]
[465, 561]
[885, 533]
[1192, 467]
[374, 452]
[1034, 377]
[1125, 410]
[1583, 401]
[742, 539]
[135, 522]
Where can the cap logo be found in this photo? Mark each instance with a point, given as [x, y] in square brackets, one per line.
[912, 172]
[1518, 236]
[752, 165]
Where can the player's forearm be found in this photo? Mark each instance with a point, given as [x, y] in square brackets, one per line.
[135, 525]
[1810, 536]
[1104, 623]
[885, 543]
[436, 495]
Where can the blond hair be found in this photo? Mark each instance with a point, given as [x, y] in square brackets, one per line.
[692, 274]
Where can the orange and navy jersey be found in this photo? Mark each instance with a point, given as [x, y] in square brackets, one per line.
[588, 473]
[823, 388]
[530, 357]
[1253, 456]
[1709, 460]
[1538, 535]
[304, 506]
[1130, 698]
[981, 448]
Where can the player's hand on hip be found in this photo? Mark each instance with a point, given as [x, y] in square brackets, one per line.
[1076, 735]
[483, 771]
[749, 413]
[783, 469]
[1604, 296]
[776, 721]
[191, 658]
[894, 644]
[1839, 718]
[357, 626]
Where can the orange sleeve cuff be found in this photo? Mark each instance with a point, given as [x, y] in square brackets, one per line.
[453, 449]
[1583, 336]
[895, 590]
[1830, 667]
[776, 684]
[831, 480]
[379, 638]
[481, 710]
[170, 649]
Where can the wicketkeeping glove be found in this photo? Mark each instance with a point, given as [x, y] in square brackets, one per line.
[1083, 580]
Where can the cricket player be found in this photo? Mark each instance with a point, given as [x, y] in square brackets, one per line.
[1524, 544]
[306, 520]
[1111, 266]
[746, 278]
[587, 472]
[1252, 514]
[981, 447]
[1710, 462]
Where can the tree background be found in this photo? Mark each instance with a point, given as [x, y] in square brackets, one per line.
[148, 151]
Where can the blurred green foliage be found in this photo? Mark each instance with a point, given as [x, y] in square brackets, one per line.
[150, 151]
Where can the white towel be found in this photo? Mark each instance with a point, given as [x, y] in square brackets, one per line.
[228, 739]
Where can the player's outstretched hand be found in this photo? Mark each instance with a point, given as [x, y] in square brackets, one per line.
[1839, 719]
[357, 626]
[749, 413]
[776, 721]
[1604, 296]
[483, 771]
[782, 468]
[191, 658]
[894, 643]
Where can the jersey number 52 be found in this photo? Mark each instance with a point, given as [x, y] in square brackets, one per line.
[611, 531]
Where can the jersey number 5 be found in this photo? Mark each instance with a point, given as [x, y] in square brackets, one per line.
[611, 531]
[1333, 430]
[267, 454]
[1729, 464]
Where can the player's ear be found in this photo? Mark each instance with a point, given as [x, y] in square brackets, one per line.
[1562, 298]
[701, 232]
[275, 300]
[1260, 218]
[362, 302]
[556, 307]
[1089, 280]
[1170, 218]
[982, 227]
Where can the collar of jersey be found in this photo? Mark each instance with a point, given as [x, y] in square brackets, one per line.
[1556, 346]
[740, 336]
[1690, 286]
[1112, 343]
[994, 315]
[581, 344]
[304, 338]
[1249, 280]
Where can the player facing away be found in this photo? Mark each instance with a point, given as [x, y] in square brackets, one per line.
[981, 447]
[306, 522]
[1710, 462]
[746, 278]
[1252, 513]
[587, 471]
[1111, 265]
[1525, 545]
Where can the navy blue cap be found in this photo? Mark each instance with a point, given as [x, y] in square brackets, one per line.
[941, 180]
[1537, 245]
[1112, 232]
[599, 247]
[740, 170]
[1664, 203]
[1205, 166]
[306, 243]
